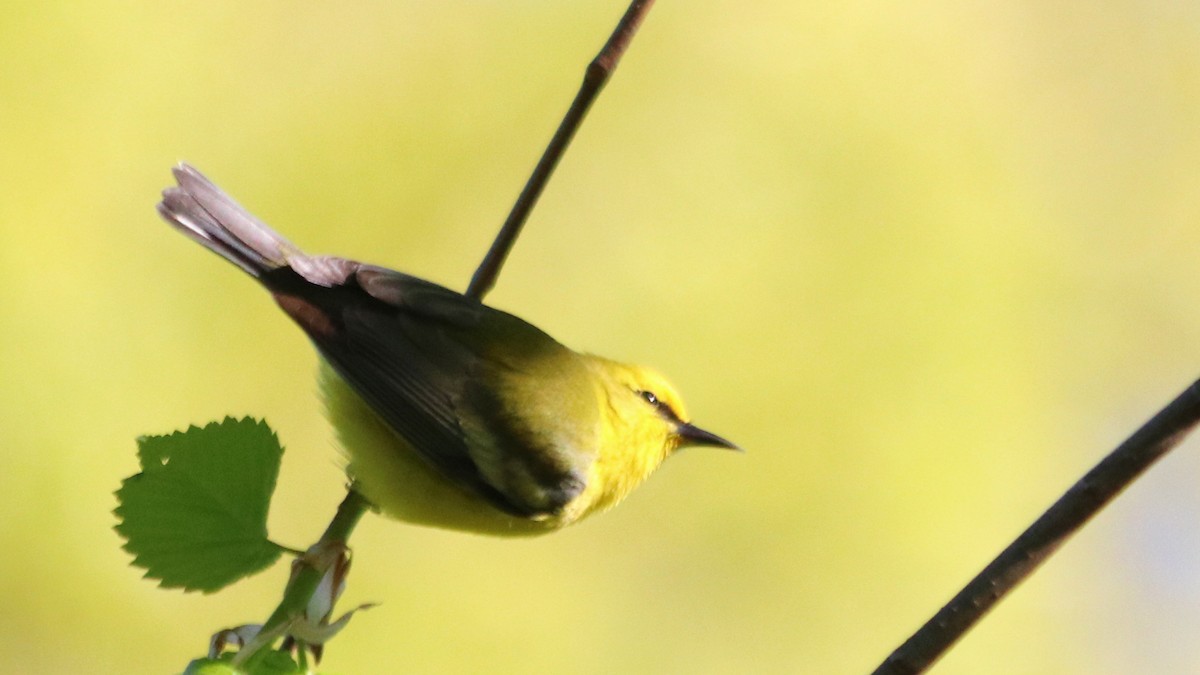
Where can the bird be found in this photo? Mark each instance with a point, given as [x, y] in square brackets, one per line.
[450, 413]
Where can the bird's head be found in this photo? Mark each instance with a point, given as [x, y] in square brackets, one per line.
[643, 422]
[654, 412]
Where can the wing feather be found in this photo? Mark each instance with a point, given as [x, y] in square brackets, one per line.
[400, 353]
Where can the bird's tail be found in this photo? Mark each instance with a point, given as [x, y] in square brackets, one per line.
[206, 214]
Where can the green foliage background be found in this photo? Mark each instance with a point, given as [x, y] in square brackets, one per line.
[926, 261]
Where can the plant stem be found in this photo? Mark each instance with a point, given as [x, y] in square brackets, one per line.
[1070, 513]
[302, 586]
[597, 74]
[348, 514]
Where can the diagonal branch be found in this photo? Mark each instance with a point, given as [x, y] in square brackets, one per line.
[597, 74]
[1070, 513]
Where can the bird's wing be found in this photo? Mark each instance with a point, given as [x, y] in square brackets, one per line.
[398, 341]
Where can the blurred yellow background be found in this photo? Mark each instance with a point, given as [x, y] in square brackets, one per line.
[926, 261]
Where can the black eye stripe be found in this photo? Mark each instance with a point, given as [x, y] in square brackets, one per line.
[663, 409]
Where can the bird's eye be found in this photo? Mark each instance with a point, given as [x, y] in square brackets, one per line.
[661, 407]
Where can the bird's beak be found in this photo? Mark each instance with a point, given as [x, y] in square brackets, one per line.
[694, 435]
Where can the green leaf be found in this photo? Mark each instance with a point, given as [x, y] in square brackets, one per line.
[196, 516]
[275, 663]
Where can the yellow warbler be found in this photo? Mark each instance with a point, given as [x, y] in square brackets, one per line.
[450, 413]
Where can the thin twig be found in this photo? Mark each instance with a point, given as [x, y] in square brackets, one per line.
[1095, 490]
[597, 74]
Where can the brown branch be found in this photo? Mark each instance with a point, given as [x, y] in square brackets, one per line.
[1095, 490]
[597, 74]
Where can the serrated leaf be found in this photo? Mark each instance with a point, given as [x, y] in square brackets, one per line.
[196, 516]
